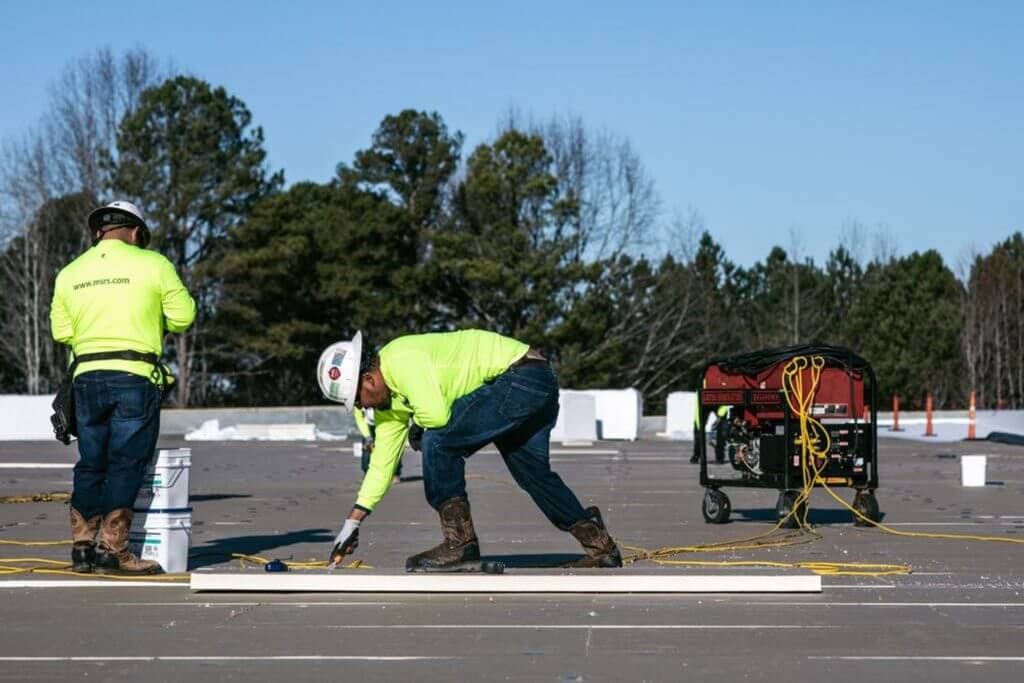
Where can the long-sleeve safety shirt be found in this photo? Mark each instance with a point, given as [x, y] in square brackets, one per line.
[426, 374]
[118, 297]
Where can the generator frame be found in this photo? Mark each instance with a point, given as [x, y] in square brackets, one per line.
[716, 506]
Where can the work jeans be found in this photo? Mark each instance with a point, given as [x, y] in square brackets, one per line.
[516, 412]
[118, 416]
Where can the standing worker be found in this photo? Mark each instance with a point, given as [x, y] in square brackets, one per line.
[720, 432]
[466, 389]
[112, 305]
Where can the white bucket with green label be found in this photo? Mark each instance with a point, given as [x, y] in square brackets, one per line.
[164, 536]
[165, 486]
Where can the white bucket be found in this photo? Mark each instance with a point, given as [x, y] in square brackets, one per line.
[972, 470]
[162, 536]
[165, 486]
[357, 449]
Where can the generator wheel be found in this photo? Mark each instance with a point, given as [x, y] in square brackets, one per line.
[866, 504]
[716, 507]
[787, 499]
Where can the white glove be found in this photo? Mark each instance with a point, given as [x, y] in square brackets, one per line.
[345, 542]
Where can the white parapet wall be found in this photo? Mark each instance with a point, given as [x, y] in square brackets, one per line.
[680, 407]
[25, 418]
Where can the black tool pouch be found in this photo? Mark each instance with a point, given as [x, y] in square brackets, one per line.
[63, 419]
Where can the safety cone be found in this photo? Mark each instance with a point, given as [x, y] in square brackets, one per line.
[972, 431]
[929, 429]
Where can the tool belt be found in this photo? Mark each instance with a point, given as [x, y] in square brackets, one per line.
[63, 419]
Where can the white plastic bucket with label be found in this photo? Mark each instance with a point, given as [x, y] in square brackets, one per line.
[972, 470]
[164, 536]
[165, 486]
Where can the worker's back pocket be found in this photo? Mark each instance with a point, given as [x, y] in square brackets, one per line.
[525, 397]
[135, 398]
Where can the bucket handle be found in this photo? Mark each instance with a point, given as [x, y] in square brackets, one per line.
[173, 481]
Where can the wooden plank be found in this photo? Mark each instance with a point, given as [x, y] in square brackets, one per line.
[353, 582]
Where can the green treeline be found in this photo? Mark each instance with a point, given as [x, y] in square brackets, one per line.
[550, 232]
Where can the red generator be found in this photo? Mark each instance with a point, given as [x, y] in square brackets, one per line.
[758, 434]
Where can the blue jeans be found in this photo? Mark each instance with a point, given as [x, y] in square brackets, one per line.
[516, 411]
[118, 416]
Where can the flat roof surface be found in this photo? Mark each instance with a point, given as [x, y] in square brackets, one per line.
[959, 616]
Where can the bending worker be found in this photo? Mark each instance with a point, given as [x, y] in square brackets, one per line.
[466, 389]
[112, 305]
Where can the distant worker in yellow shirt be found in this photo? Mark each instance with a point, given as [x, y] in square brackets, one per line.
[112, 305]
[365, 425]
[465, 389]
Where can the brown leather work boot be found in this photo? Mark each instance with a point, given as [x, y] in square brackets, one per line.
[459, 546]
[83, 541]
[112, 554]
[597, 544]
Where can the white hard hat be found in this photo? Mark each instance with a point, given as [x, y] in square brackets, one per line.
[338, 370]
[119, 213]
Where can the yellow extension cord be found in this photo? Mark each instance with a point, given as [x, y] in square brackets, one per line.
[814, 445]
[39, 565]
[36, 498]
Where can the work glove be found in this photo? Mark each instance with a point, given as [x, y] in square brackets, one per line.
[416, 437]
[345, 542]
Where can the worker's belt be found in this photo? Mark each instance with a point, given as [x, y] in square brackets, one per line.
[63, 419]
[531, 357]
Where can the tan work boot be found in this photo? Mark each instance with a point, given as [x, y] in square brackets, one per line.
[597, 544]
[460, 544]
[112, 554]
[83, 541]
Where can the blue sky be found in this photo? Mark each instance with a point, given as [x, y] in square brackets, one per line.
[764, 116]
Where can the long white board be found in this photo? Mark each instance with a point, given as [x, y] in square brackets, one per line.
[359, 582]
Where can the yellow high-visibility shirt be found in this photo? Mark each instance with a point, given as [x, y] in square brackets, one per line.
[118, 297]
[426, 374]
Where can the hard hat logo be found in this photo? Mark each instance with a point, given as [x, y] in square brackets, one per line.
[334, 373]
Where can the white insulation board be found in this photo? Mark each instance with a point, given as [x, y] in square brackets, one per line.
[355, 581]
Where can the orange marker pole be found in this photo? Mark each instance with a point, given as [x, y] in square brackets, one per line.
[896, 413]
[929, 431]
[972, 430]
